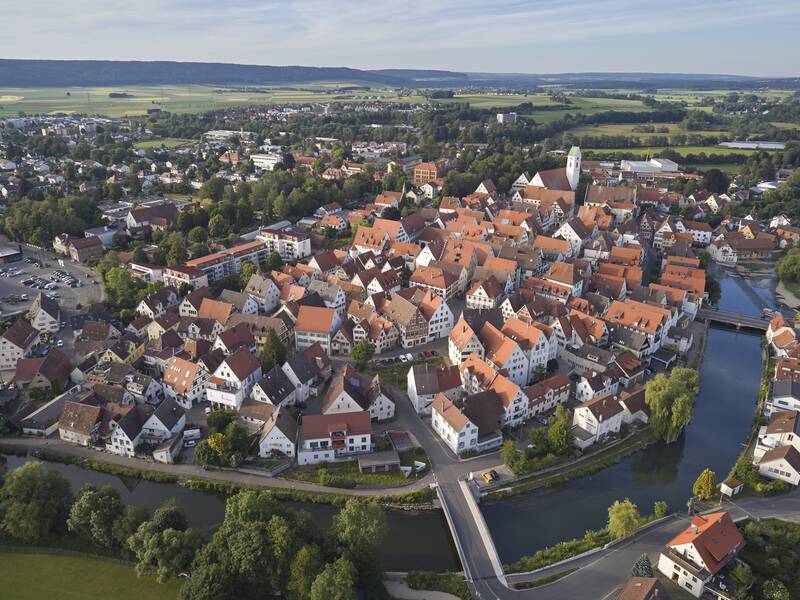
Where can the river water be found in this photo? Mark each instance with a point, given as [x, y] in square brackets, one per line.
[729, 379]
[413, 541]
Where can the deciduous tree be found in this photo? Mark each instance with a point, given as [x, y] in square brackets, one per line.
[705, 485]
[34, 502]
[623, 518]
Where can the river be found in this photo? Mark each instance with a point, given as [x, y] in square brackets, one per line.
[403, 550]
[729, 379]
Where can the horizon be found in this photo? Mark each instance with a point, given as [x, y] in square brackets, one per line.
[509, 36]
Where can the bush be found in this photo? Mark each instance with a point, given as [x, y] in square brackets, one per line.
[451, 583]
[561, 551]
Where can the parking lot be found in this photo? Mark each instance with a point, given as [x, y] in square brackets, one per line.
[407, 357]
[38, 269]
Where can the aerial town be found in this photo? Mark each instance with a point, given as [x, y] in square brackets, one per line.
[380, 342]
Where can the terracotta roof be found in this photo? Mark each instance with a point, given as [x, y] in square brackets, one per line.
[643, 588]
[79, 418]
[714, 536]
[602, 407]
[785, 421]
[432, 276]
[180, 374]
[242, 363]
[215, 309]
[321, 426]
[315, 319]
[21, 334]
[453, 415]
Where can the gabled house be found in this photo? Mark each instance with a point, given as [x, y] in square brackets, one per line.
[426, 381]
[274, 388]
[185, 382]
[469, 425]
[596, 419]
[17, 342]
[45, 314]
[233, 380]
[700, 551]
[315, 325]
[278, 435]
[325, 438]
[79, 423]
[348, 393]
[127, 434]
[166, 421]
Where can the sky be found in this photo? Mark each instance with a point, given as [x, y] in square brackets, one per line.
[744, 37]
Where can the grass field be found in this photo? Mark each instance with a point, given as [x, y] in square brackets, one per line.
[37, 576]
[179, 99]
[626, 129]
[682, 150]
[166, 142]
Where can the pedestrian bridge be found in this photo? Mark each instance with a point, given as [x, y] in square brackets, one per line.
[733, 319]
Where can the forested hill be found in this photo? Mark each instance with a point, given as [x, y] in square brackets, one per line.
[56, 73]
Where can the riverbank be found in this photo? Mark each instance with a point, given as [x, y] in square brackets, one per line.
[417, 494]
[582, 467]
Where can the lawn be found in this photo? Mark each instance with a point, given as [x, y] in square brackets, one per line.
[348, 473]
[165, 142]
[37, 576]
[397, 375]
[500, 100]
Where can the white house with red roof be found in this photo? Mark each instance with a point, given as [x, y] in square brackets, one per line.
[325, 438]
[700, 551]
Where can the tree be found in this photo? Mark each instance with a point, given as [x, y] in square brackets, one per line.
[274, 262]
[34, 502]
[539, 373]
[95, 513]
[362, 352]
[121, 287]
[623, 518]
[273, 353]
[198, 234]
[218, 226]
[559, 434]
[671, 402]
[660, 509]
[642, 567]
[336, 582]
[127, 524]
[705, 485]
[715, 181]
[306, 565]
[219, 420]
[775, 590]
[164, 544]
[743, 578]
[247, 271]
[360, 525]
[139, 255]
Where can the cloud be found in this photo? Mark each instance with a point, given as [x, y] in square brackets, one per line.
[468, 35]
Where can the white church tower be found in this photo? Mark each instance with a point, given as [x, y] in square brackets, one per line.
[574, 167]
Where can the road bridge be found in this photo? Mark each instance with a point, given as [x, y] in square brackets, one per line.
[734, 319]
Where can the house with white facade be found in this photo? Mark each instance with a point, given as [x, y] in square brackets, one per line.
[595, 420]
[425, 381]
[17, 342]
[45, 314]
[233, 380]
[340, 436]
[185, 382]
[279, 435]
[693, 557]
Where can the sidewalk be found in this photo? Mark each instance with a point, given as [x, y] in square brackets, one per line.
[399, 589]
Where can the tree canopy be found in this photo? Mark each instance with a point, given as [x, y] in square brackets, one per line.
[671, 401]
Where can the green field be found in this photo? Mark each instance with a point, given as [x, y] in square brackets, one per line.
[682, 150]
[178, 99]
[627, 129]
[165, 142]
[37, 576]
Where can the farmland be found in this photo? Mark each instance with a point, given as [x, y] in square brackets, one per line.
[138, 100]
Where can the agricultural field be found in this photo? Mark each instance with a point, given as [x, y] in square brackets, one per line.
[35, 576]
[178, 99]
[682, 150]
[627, 129]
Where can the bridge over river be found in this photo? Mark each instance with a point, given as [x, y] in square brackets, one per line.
[731, 318]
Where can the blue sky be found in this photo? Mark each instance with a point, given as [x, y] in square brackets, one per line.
[751, 37]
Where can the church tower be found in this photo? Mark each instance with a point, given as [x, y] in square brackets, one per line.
[574, 167]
